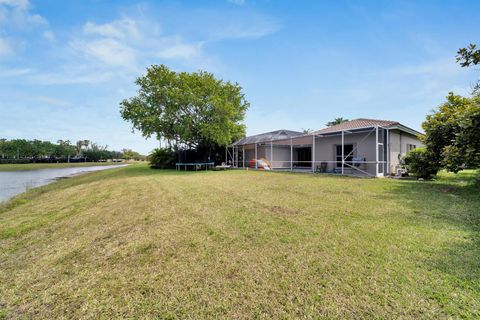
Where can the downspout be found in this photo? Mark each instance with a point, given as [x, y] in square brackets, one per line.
[271, 155]
[376, 151]
[343, 151]
[291, 154]
[388, 152]
[313, 153]
[243, 156]
[256, 160]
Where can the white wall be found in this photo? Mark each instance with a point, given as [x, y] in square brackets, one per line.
[398, 146]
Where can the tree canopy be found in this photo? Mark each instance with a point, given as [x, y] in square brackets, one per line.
[129, 154]
[469, 56]
[62, 150]
[335, 122]
[21, 148]
[186, 109]
[452, 133]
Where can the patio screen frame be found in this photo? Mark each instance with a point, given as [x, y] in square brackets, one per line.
[235, 153]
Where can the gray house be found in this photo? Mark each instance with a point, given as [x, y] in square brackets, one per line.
[360, 147]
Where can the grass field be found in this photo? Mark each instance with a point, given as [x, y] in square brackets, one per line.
[35, 166]
[140, 243]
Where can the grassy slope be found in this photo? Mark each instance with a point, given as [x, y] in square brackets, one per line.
[35, 166]
[135, 242]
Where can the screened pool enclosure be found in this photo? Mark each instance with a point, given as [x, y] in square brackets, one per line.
[360, 151]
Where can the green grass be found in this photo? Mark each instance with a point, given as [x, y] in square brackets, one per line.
[140, 243]
[35, 166]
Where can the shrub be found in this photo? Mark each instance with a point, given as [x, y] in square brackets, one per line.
[162, 158]
[14, 161]
[420, 164]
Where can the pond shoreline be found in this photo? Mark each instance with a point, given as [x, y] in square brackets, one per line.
[16, 182]
[9, 167]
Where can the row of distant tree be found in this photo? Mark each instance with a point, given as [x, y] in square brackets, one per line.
[63, 150]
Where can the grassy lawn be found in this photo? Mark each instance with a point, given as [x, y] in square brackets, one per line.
[35, 166]
[140, 243]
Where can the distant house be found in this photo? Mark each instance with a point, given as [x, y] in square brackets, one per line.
[361, 146]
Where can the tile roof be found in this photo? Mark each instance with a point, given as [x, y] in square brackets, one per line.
[356, 124]
[268, 136]
[359, 123]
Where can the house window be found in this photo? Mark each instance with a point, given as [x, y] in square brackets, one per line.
[304, 157]
[348, 153]
[411, 146]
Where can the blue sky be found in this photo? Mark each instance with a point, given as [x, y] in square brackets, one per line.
[66, 65]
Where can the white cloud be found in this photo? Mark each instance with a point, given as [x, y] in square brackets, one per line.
[48, 35]
[15, 14]
[120, 29]
[123, 47]
[22, 4]
[107, 51]
[127, 43]
[7, 73]
[178, 49]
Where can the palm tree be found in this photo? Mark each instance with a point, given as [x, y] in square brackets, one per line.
[79, 146]
[335, 122]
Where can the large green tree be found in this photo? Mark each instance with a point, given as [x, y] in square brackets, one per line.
[64, 149]
[452, 133]
[186, 109]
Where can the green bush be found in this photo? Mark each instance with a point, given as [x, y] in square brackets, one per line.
[15, 161]
[162, 158]
[420, 164]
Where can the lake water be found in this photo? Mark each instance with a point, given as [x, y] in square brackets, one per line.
[16, 182]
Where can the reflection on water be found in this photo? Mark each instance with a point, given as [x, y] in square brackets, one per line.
[16, 182]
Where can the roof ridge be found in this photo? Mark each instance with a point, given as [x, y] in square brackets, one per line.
[273, 131]
[357, 124]
[370, 119]
[268, 136]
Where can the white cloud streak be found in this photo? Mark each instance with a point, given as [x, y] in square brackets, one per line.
[21, 4]
[48, 35]
[6, 48]
[15, 14]
[127, 44]
[125, 28]
[178, 49]
[9, 73]
[107, 51]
